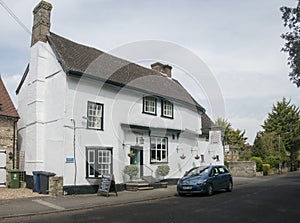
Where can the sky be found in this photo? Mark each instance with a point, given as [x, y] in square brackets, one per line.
[237, 41]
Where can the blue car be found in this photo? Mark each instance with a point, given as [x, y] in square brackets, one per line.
[205, 180]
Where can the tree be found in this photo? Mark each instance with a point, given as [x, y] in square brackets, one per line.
[283, 123]
[225, 126]
[295, 151]
[235, 138]
[266, 144]
[291, 19]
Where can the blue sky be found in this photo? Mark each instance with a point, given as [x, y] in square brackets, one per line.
[239, 41]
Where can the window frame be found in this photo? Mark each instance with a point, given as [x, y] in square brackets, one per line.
[89, 116]
[163, 103]
[145, 111]
[96, 164]
[159, 151]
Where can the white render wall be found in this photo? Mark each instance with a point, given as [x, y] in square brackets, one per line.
[41, 108]
[125, 107]
[49, 99]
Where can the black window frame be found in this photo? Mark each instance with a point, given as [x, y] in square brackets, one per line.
[155, 105]
[102, 116]
[96, 157]
[163, 102]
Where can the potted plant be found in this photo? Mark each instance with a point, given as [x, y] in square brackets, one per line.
[163, 170]
[182, 157]
[131, 154]
[131, 170]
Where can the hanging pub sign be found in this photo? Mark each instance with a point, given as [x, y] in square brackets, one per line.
[107, 184]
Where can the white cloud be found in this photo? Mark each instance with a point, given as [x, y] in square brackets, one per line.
[250, 125]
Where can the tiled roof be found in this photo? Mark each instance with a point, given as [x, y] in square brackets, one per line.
[77, 59]
[7, 107]
[207, 124]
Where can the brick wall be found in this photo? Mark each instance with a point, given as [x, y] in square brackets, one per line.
[242, 168]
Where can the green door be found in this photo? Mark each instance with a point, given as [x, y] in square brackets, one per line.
[137, 159]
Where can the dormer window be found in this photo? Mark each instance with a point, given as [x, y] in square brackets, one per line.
[149, 105]
[167, 109]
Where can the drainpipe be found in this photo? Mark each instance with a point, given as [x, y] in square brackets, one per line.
[14, 143]
[74, 149]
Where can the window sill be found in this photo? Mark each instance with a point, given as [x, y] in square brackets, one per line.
[158, 162]
[148, 113]
[92, 178]
[95, 129]
[163, 116]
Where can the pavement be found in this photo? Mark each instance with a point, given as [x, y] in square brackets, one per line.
[13, 208]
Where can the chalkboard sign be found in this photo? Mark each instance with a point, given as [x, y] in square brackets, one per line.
[107, 184]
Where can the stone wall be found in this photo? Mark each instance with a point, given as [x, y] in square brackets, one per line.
[6, 140]
[56, 186]
[242, 168]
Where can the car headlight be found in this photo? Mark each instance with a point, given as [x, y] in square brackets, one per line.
[180, 181]
[199, 182]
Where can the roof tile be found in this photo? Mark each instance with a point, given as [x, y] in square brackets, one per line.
[83, 60]
[7, 107]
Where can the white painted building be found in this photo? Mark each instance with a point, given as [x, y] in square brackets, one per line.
[83, 111]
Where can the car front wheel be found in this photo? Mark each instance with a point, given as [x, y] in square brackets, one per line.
[229, 187]
[209, 190]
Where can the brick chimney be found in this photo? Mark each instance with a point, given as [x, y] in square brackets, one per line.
[163, 68]
[41, 22]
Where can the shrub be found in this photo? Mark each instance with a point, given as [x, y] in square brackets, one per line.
[163, 170]
[258, 162]
[226, 163]
[131, 170]
[273, 160]
[266, 168]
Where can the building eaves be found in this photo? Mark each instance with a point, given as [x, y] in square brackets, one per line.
[22, 80]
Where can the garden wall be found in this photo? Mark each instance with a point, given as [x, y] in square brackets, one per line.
[242, 168]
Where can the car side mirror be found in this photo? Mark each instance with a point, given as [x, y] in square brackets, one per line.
[185, 173]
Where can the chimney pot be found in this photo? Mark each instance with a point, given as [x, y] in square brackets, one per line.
[41, 22]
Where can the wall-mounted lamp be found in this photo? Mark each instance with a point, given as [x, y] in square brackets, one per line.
[125, 144]
[10, 155]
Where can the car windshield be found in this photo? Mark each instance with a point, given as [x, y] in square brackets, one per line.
[198, 171]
